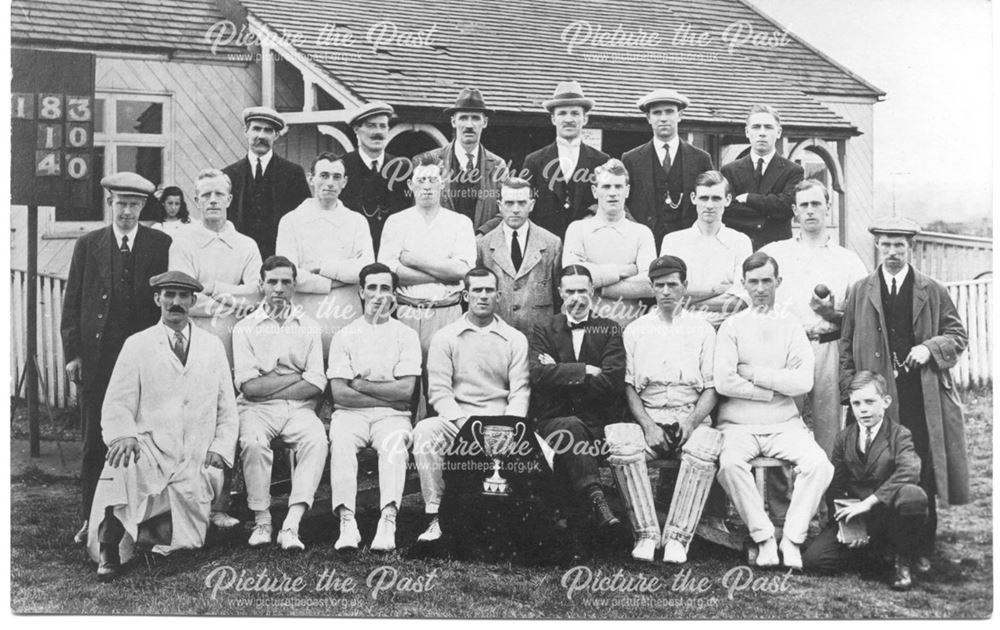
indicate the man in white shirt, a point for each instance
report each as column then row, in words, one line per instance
column 477, row 366
column 813, row 264
column 612, row 247
column 714, row 253
column 279, row 373
column 430, row 248
column 373, row 368
column 329, row 244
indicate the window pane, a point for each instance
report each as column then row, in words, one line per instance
column 95, row 211
column 99, row 115
column 146, row 161
column 139, row 117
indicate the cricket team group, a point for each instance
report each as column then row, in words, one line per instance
column 649, row 307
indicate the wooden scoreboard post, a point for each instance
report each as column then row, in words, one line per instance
column 52, row 159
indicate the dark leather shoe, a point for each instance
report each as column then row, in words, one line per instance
column 603, row 516
column 110, row 565
column 922, row 564
column 903, row 580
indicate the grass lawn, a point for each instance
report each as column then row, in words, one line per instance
column 51, row 575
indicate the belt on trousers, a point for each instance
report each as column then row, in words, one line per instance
column 825, row 337
column 451, row 300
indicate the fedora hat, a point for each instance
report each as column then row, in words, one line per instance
column 567, row 94
column 469, row 100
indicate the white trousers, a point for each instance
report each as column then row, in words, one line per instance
column 388, row 432
column 793, row 444
column 431, row 439
column 298, row 427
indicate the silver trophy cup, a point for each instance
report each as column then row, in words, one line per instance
column 497, row 442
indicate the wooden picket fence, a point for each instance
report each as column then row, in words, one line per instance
column 973, row 298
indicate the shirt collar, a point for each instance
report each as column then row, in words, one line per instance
column 226, row 235
column 670, row 145
column 496, row 326
column 875, row 430
column 119, row 234
column 568, row 144
column 264, row 160
column 463, row 157
column 767, row 158
column 259, row 315
column 522, row 232
column 900, row 277
column 367, row 160
column 186, row 331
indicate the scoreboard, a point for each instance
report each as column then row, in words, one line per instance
column 52, row 128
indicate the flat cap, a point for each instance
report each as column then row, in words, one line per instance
column 126, row 183
column 371, row 109
column 266, row 114
column 175, row 280
column 662, row 95
column 894, row 225
column 665, row 265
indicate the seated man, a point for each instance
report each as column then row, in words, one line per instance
column 875, row 464
column 373, row 369
column 477, row 366
column 669, row 389
column 763, row 360
column 176, row 458
column 278, row 359
column 577, row 385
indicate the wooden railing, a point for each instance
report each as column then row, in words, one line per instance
column 974, row 301
column 973, row 298
column 952, row 257
column 53, row 386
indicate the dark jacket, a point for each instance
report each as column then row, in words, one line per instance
column 641, row 202
column 767, row 214
column 890, row 463
column 492, row 173
column 565, row 389
column 557, row 202
column 87, row 301
column 394, row 172
column 289, row 188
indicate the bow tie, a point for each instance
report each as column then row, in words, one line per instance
column 577, row 325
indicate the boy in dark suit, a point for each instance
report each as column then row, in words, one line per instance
column 874, row 462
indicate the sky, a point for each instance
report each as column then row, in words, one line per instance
column 933, row 58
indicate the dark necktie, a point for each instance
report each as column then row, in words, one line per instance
column 666, row 159
column 125, row 251
column 258, row 174
column 516, row 256
column 469, row 165
column 578, row 325
column 868, row 440
column 178, row 346
column 760, row 171
column 375, row 167
column 892, row 291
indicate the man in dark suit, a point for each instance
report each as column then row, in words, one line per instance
column 375, row 180
column 663, row 170
column 763, row 183
column 108, row 298
column 876, row 465
column 561, row 173
column 265, row 186
column 471, row 173
column 577, row 364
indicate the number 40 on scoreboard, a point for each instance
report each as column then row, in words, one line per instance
column 65, row 125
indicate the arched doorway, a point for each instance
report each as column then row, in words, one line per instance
column 412, row 139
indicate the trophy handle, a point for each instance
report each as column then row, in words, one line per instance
column 477, row 435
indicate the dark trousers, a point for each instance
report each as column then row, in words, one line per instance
column 911, row 415
column 894, row 527
column 94, row 450
column 576, row 445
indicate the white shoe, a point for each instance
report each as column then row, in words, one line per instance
column 674, row 552
column 261, row 535
column 645, row 549
column 791, row 557
column 433, row 531
column 385, row 535
column 767, row 553
column 350, row 537
column 289, row 539
column 80, row 538
column 223, row 520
